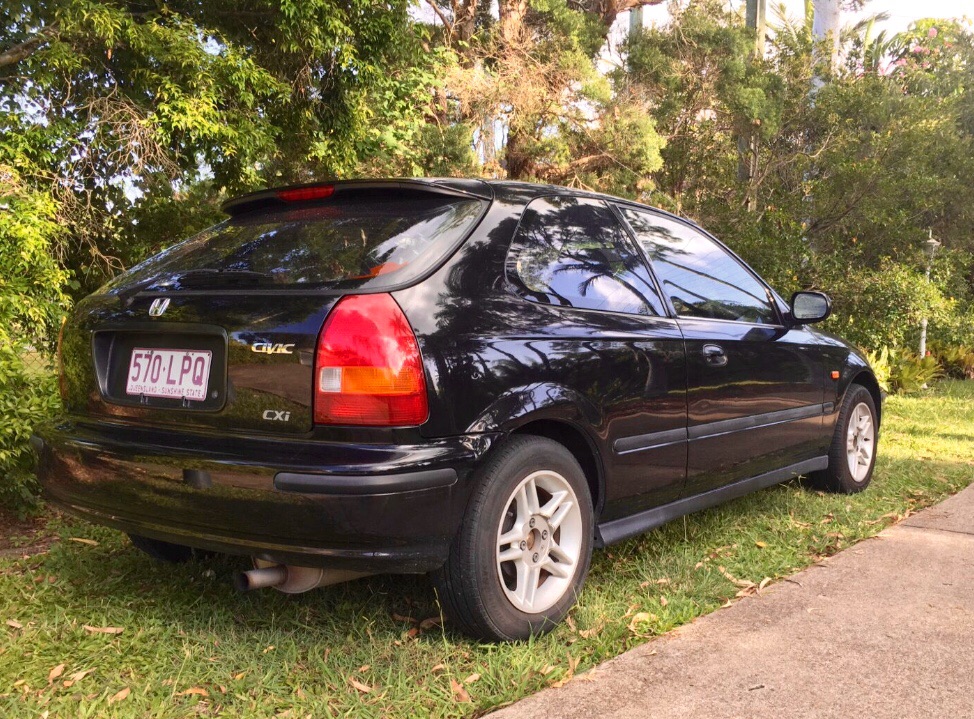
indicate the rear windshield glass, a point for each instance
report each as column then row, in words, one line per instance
column 356, row 240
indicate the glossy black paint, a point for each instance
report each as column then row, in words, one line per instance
column 664, row 414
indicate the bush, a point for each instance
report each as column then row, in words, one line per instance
column 884, row 307
column 911, row 373
column 956, row 361
column 32, row 303
column 28, row 396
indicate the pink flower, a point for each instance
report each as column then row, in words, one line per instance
column 932, row 32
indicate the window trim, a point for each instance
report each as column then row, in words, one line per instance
column 768, row 291
column 513, row 289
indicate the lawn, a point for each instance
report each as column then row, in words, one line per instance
column 94, row 628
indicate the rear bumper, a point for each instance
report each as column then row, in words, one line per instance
column 370, row 508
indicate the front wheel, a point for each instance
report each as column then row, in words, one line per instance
column 524, row 548
column 852, row 454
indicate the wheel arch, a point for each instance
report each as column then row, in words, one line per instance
column 866, row 379
column 581, row 447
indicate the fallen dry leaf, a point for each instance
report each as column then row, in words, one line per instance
column 78, row 676
column 471, row 679
column 429, row 622
column 239, row 675
column 663, row 601
column 82, row 540
column 103, row 630
column 591, row 631
column 743, row 583
column 199, row 691
column 640, row 618
column 761, row 545
column 402, row 618
column 364, row 688
column 55, row 673
column 119, row 695
column 459, row 693
column 764, row 582
column 438, row 668
column 14, row 624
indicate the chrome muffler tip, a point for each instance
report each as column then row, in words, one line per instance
column 260, row 577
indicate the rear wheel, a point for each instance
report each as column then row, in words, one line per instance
column 852, row 454
column 163, row 551
column 524, row 548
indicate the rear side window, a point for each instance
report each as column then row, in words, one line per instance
column 701, row 278
column 354, row 240
column 572, row 252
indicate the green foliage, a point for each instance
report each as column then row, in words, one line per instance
column 911, row 373
column 884, row 307
column 27, row 398
column 882, row 368
column 956, row 361
column 32, row 303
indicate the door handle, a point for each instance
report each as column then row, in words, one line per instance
column 714, row 355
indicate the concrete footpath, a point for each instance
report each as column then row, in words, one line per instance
column 883, row 629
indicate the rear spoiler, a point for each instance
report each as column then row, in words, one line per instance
column 319, row 191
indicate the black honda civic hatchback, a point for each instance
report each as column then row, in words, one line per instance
column 482, row 380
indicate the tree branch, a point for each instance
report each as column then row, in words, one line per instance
column 28, row 47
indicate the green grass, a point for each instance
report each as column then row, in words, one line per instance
column 265, row 654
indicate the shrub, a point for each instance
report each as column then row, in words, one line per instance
column 32, row 303
column 956, row 361
column 27, row 396
column 883, row 308
column 911, row 373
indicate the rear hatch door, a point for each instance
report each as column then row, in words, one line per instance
column 220, row 331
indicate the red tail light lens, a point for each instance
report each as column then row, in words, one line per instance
column 368, row 369
column 304, row 194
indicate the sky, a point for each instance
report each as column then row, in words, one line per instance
column 901, row 12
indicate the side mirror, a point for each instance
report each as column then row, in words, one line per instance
column 809, row 307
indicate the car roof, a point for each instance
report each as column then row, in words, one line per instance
column 488, row 189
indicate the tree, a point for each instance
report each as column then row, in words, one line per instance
column 135, row 96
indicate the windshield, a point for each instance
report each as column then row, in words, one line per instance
column 359, row 240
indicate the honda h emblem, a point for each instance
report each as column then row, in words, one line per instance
column 158, row 306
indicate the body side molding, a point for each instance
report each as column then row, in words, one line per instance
column 620, row 529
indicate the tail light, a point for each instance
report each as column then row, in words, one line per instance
column 368, row 369
column 304, row 194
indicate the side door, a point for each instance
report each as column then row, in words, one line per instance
column 755, row 388
column 596, row 321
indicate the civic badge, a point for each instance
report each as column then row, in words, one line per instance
column 158, row 306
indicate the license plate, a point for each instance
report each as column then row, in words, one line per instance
column 158, row 372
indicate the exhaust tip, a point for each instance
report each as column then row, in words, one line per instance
column 240, row 582
column 260, row 578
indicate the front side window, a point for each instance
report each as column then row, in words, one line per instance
column 700, row 277
column 572, row 252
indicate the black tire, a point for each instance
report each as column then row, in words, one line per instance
column 838, row 477
column 162, row 551
column 473, row 588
